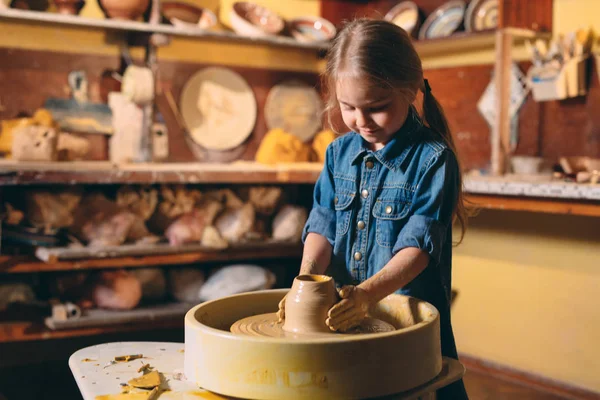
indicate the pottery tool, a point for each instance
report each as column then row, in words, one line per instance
column 78, row 114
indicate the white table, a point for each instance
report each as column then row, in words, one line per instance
column 95, row 375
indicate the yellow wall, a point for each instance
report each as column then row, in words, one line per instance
column 528, row 294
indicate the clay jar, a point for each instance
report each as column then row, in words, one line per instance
column 307, row 304
column 124, row 9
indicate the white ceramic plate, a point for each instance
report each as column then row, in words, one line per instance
column 219, row 108
column 481, row 15
column 294, row 107
column 443, row 21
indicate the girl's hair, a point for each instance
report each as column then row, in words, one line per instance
column 383, row 53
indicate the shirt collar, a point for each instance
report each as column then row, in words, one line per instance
column 393, row 154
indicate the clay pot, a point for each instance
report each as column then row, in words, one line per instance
column 307, row 304
column 69, row 7
column 124, row 9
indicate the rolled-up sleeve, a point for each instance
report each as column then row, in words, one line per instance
column 321, row 219
column 432, row 207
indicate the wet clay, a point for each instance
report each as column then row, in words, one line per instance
column 266, row 325
column 307, row 304
column 306, row 307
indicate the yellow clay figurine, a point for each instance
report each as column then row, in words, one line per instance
column 279, row 146
column 320, row 143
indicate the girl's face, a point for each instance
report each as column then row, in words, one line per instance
column 373, row 112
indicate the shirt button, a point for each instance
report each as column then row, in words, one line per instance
column 388, row 210
column 357, row 256
column 335, row 200
column 360, row 225
column 369, row 164
column 364, row 193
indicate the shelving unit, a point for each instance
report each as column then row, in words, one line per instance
column 502, row 193
column 485, row 193
column 146, row 28
column 458, row 42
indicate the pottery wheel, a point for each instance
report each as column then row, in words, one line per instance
column 266, row 325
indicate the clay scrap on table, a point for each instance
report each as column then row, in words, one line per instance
column 147, row 381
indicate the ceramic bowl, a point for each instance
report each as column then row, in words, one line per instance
column 526, row 165
column 312, row 29
column 249, row 19
column 183, row 15
column 405, row 15
column 124, row 9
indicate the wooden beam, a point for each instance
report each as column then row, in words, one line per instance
column 550, row 206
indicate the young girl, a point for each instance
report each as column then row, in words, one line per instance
column 389, row 191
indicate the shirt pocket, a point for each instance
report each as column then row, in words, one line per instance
column 343, row 211
column 389, row 215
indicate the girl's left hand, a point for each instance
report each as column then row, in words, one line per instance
column 350, row 311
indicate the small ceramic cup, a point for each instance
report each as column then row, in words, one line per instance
column 307, row 304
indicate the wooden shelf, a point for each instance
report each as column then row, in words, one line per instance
column 456, row 43
column 101, row 172
column 23, row 331
column 26, row 264
column 143, row 27
column 532, row 204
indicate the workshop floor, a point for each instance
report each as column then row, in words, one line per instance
column 50, row 381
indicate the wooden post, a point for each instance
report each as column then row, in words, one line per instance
column 501, row 129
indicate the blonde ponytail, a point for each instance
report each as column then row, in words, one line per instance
column 434, row 117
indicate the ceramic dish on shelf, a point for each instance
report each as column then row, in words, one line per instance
column 294, row 107
column 183, row 15
column 249, row 19
column 443, row 21
column 218, row 108
column 312, row 29
column 481, row 15
column 405, row 15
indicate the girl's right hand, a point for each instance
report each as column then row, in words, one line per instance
column 281, row 310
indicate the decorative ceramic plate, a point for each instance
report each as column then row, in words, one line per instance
column 218, row 108
column 481, row 15
column 312, row 29
column 443, row 21
column 294, row 107
column 405, row 15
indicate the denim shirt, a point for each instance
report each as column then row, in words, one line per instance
column 372, row 204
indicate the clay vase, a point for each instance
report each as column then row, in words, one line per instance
column 124, row 9
column 307, row 304
column 69, row 7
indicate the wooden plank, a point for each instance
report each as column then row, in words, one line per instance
column 29, row 331
column 24, row 173
column 21, row 264
column 501, row 128
column 550, row 206
column 527, row 379
column 53, row 254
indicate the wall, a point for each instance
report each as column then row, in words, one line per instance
column 528, row 283
column 528, row 294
